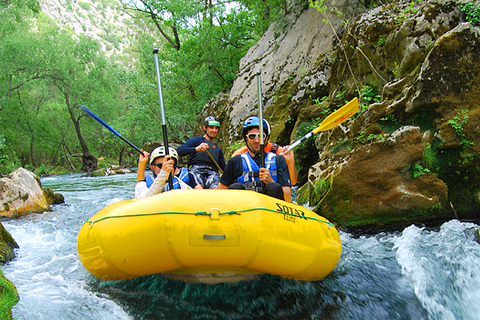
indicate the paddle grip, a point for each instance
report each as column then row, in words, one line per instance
column 296, row 143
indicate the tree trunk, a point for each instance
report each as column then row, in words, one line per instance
column 66, row 151
column 30, row 154
column 120, row 158
column 89, row 161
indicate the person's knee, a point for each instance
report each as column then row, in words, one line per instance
column 275, row 190
column 237, row 186
column 212, row 180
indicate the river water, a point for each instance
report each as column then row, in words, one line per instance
column 415, row 273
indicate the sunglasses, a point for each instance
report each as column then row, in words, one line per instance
column 253, row 136
column 159, row 165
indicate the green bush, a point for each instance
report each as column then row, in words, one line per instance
column 472, row 12
column 8, row 297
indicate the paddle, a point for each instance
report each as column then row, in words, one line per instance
column 90, row 113
column 260, row 115
column 162, row 112
column 215, row 162
column 329, row 122
column 260, row 122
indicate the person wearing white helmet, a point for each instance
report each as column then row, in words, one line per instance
column 205, row 158
column 162, row 165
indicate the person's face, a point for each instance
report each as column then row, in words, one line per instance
column 156, row 166
column 211, row 131
column 253, row 140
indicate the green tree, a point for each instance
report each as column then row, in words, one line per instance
column 268, row 11
column 47, row 75
column 14, row 46
column 82, row 76
column 201, row 45
column 169, row 17
column 14, row 12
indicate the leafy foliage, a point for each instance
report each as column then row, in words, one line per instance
column 458, row 125
column 472, row 12
column 13, row 12
column 417, row 170
column 47, row 73
column 368, row 95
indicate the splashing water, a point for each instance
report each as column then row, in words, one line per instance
column 444, row 267
column 417, row 274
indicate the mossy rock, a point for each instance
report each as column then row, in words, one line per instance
column 8, row 297
column 7, row 244
column 303, row 194
column 98, row 173
column 53, row 197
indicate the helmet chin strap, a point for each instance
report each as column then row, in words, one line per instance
column 209, row 135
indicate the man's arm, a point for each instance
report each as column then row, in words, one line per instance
column 287, row 193
column 228, row 176
column 142, row 191
column 189, row 146
column 290, row 163
column 283, row 177
column 222, row 162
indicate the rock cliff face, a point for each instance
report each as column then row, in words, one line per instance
column 412, row 151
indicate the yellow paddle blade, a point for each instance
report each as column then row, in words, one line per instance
column 338, row 116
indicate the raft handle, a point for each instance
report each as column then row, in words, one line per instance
column 214, row 236
column 215, row 214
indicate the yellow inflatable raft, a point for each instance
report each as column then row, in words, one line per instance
column 208, row 236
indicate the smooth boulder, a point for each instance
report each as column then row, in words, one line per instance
column 21, row 193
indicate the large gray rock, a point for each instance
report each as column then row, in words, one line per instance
column 288, row 56
column 21, row 193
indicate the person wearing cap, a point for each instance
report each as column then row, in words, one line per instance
column 205, row 158
column 245, row 171
column 275, row 148
column 162, row 165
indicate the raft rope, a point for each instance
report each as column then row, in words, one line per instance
column 204, row 213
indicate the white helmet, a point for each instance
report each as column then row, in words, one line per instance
column 160, row 152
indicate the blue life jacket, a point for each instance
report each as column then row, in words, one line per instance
column 148, row 180
column 176, row 185
column 250, row 178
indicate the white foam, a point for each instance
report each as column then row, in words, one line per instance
column 444, row 269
